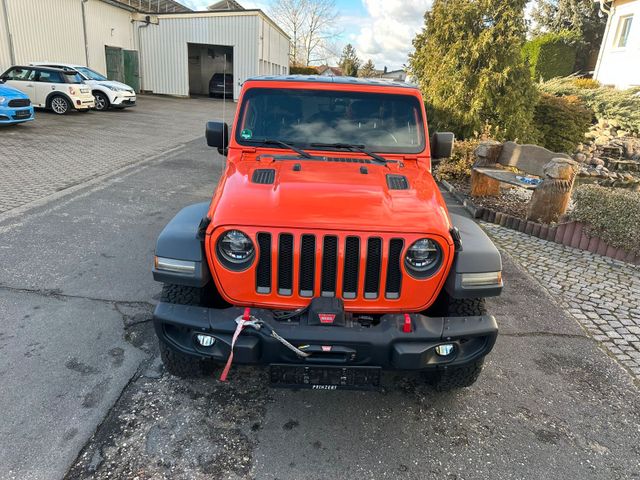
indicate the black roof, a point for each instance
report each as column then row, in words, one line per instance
column 43, row 67
column 339, row 80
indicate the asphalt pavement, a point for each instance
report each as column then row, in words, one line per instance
column 84, row 394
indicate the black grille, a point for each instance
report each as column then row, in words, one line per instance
column 329, row 265
column 263, row 270
column 394, row 273
column 372, row 271
column 347, row 160
column 285, row 264
column 19, row 102
column 351, row 268
column 307, row 265
column 263, row 175
column 397, row 182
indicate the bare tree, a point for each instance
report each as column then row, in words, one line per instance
column 311, row 26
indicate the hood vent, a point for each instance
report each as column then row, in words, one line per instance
column 265, row 176
column 397, row 182
column 347, row 160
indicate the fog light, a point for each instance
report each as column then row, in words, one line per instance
column 205, row 340
column 445, row 349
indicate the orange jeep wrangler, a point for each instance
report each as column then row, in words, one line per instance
column 327, row 251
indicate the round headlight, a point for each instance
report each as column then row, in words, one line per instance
column 423, row 258
column 236, row 250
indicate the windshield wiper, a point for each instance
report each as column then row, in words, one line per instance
column 271, row 141
column 353, row 147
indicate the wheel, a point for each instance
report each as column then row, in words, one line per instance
column 447, row 378
column 180, row 364
column 102, row 101
column 60, row 105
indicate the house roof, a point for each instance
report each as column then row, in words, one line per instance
column 225, row 5
column 337, row 71
column 151, row 6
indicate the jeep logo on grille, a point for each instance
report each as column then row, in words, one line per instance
column 327, row 317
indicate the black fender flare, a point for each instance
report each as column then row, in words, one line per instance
column 475, row 253
column 182, row 239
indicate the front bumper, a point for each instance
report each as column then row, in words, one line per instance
column 122, row 101
column 10, row 115
column 384, row 345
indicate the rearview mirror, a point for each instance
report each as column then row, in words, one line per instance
column 442, row 145
column 217, row 134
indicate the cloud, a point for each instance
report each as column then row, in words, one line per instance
column 386, row 33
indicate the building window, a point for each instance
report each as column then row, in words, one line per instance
column 624, row 27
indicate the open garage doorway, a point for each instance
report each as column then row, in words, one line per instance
column 210, row 70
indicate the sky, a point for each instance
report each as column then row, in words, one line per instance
column 380, row 30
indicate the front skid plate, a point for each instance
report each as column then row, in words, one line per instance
column 323, row 377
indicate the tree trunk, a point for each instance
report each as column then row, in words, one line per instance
column 487, row 154
column 551, row 198
column 483, row 186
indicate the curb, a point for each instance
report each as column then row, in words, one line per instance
column 570, row 234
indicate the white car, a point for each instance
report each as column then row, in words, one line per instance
column 108, row 93
column 52, row 88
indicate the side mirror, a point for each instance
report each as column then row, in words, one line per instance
column 442, row 145
column 217, row 134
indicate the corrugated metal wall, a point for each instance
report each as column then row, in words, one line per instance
column 52, row 30
column 5, row 52
column 164, row 52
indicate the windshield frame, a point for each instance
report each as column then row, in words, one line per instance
column 420, row 125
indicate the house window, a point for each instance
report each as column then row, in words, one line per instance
column 624, row 27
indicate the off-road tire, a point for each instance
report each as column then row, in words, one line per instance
column 180, row 364
column 451, row 378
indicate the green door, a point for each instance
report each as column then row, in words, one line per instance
column 115, row 63
column 132, row 69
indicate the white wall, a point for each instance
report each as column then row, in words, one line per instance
column 52, row 30
column 620, row 66
column 164, row 52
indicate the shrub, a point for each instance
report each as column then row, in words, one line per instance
column 303, row 70
column 621, row 107
column 459, row 165
column 561, row 122
column 551, row 55
column 613, row 214
column 586, row 83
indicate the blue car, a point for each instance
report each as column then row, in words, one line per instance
column 15, row 106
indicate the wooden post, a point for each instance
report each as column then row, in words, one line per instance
column 487, row 154
column 551, row 198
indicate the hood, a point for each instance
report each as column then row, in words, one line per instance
column 10, row 92
column 112, row 83
column 331, row 195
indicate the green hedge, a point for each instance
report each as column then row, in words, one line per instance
column 561, row 122
column 613, row 214
column 459, row 165
column 303, row 70
column 550, row 55
column 621, row 107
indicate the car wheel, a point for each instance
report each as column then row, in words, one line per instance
column 102, row 101
column 60, row 105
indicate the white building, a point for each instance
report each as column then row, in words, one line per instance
column 619, row 58
column 158, row 46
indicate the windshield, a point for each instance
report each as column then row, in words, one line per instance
column 380, row 122
column 71, row 77
column 91, row 74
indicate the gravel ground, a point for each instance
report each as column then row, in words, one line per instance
column 512, row 201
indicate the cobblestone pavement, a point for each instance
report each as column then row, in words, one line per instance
column 601, row 293
column 55, row 152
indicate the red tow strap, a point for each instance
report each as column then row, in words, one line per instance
column 245, row 318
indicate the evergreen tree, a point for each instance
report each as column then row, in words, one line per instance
column 582, row 17
column 368, row 70
column 468, row 63
column 349, row 61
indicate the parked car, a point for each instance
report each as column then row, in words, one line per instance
column 327, row 251
column 15, row 106
column 52, row 88
column 107, row 93
column 221, row 84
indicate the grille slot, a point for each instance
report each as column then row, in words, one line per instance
column 285, row 264
column 264, row 176
column 263, row 270
column 351, row 268
column 373, row 266
column 307, row 265
column 394, row 273
column 397, row 182
column 329, row 265
column 347, row 160
column 19, row 102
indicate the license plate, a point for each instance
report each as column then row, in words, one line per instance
column 317, row 377
column 23, row 114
